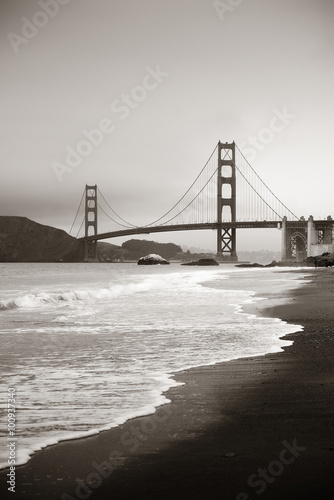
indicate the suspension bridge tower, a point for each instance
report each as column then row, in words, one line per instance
column 91, row 223
column 226, row 202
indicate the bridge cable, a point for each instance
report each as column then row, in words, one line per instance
column 265, row 185
column 258, row 194
column 169, row 211
column 196, row 197
column 76, row 215
column 126, row 222
column 122, row 225
column 83, row 220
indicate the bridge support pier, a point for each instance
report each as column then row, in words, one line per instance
column 284, row 246
column 226, row 202
column 91, row 223
column 312, row 236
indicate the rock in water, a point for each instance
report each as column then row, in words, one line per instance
column 202, row 262
column 152, row 259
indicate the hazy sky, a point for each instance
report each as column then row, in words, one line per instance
column 197, row 71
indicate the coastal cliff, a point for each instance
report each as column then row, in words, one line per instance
column 23, row 240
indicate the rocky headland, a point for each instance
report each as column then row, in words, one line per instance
column 23, row 240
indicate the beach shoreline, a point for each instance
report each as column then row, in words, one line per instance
column 227, row 422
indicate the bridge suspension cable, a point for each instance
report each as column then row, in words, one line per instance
column 82, row 223
column 265, row 194
column 194, row 190
column 76, row 215
column 128, row 224
column 122, row 225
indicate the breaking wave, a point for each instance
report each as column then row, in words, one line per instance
column 147, row 284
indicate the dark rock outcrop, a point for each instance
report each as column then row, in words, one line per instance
column 274, row 263
column 152, row 259
column 202, row 262
column 324, row 260
column 255, row 264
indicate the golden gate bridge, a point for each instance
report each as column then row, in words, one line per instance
column 226, row 195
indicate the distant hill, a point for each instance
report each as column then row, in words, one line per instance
column 134, row 249
column 23, row 240
column 107, row 252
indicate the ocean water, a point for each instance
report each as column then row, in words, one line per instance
column 88, row 346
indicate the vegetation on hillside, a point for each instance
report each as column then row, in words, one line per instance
column 139, row 248
column 134, row 249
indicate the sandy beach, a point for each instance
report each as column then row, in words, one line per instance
column 254, row 427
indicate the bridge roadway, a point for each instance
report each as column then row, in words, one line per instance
column 296, row 224
column 188, row 227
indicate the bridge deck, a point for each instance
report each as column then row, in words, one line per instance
column 297, row 224
column 184, row 227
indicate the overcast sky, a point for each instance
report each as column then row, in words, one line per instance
column 196, row 71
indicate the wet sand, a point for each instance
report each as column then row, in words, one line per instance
column 254, row 427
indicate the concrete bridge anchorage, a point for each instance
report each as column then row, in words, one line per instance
column 306, row 238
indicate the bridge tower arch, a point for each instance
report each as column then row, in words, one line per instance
column 90, row 223
column 226, row 202
column 294, row 240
